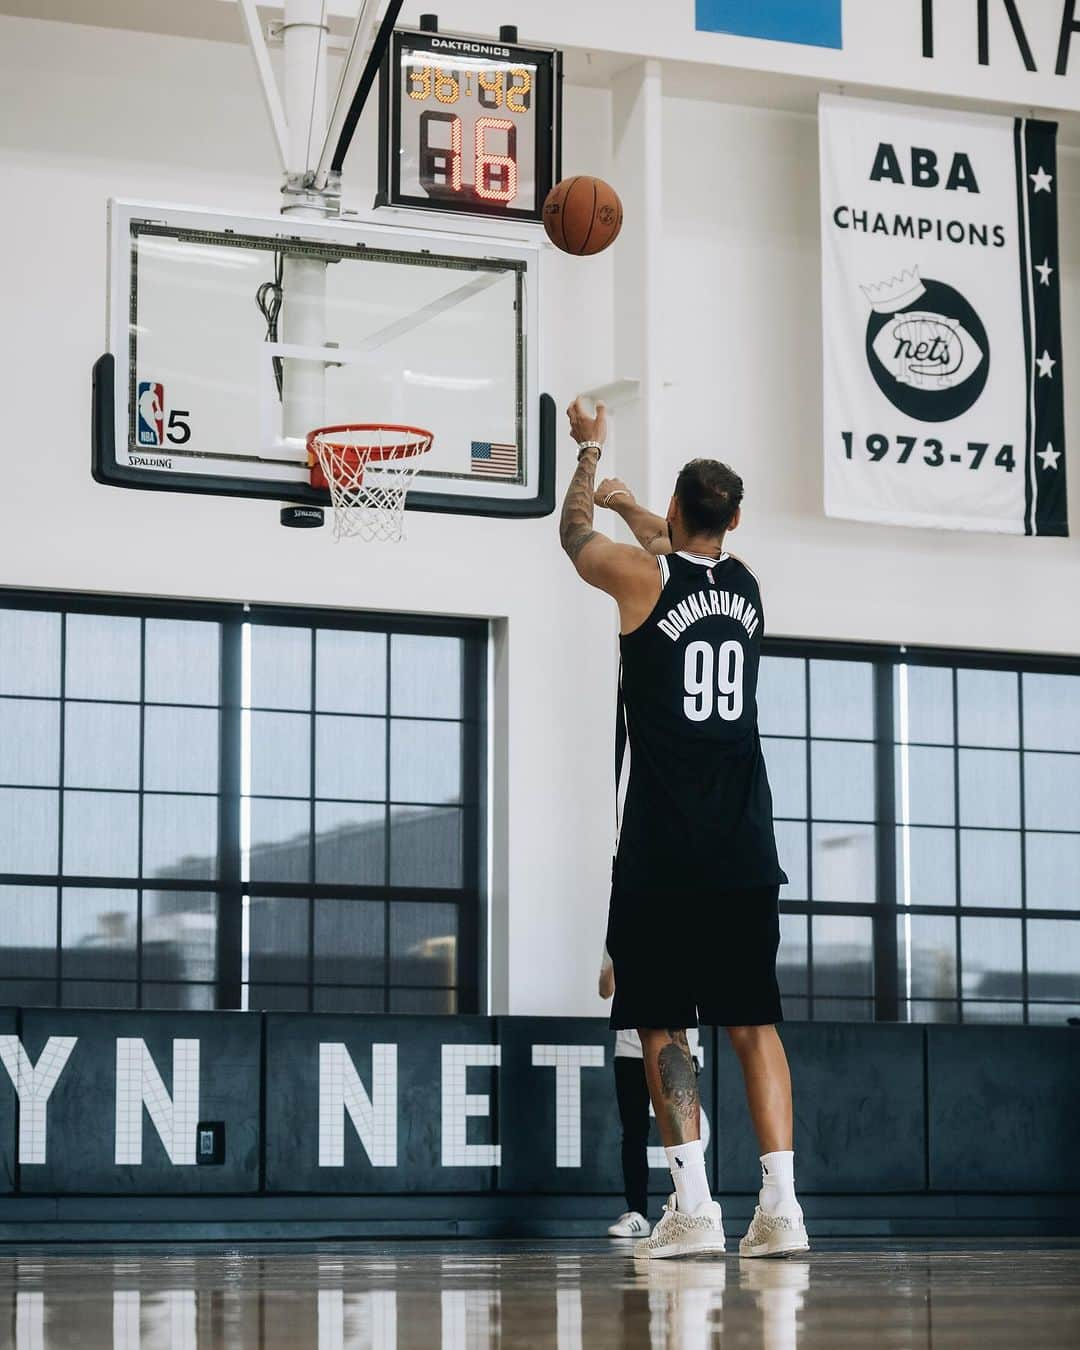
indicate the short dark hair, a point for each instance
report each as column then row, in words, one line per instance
column 709, row 495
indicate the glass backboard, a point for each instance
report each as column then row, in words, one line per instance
column 231, row 338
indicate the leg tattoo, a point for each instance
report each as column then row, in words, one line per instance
column 678, row 1087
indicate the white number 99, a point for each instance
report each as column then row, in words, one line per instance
column 713, row 681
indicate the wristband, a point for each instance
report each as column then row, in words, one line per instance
column 590, row 445
column 619, row 492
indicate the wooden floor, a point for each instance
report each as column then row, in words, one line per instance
column 572, row 1295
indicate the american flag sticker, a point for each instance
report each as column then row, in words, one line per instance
column 492, row 460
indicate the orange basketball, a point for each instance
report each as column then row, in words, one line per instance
column 582, row 215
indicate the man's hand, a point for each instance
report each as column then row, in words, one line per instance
column 614, row 494
column 586, row 428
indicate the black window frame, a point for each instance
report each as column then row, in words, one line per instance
column 887, row 997
column 470, row 899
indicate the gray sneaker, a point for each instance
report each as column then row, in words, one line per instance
column 774, row 1235
column 679, row 1234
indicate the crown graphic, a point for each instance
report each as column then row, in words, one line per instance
column 886, row 297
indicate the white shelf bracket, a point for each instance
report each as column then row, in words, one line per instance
column 615, row 394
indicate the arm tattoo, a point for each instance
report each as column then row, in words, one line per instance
column 575, row 542
column 576, row 525
column 678, row 1082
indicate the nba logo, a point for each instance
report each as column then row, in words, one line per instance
column 151, row 413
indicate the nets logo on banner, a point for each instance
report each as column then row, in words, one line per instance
column 943, row 396
column 812, row 23
column 927, row 348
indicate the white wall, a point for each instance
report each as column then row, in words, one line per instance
column 742, row 349
column 88, row 113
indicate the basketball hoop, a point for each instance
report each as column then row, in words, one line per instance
column 368, row 468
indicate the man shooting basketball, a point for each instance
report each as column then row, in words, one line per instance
column 696, row 859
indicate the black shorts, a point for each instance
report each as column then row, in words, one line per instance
column 687, row 957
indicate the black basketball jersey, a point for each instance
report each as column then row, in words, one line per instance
column 696, row 805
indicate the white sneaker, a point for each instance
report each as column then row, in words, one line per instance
column 774, row 1235
column 679, row 1234
column 631, row 1224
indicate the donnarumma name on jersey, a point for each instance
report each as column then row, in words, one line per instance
column 703, row 606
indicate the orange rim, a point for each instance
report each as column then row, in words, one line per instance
column 414, row 440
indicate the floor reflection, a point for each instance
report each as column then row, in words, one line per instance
column 571, row 1296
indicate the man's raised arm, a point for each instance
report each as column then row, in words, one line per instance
column 621, row 570
column 651, row 531
column 576, row 523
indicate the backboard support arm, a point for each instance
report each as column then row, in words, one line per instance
column 350, row 75
column 339, row 134
column 271, row 96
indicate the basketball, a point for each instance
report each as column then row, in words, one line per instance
column 582, row 215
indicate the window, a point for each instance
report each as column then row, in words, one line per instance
column 213, row 806
column 360, row 816
column 928, row 820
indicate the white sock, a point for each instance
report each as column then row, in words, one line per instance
column 687, row 1163
column 777, row 1194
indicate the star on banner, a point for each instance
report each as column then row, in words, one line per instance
column 1045, row 271
column 1049, row 456
column 1042, row 180
column 1046, row 364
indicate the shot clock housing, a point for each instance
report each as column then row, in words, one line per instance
column 469, row 125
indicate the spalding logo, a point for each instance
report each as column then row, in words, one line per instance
column 926, row 347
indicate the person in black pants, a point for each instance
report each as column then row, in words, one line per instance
column 632, row 1095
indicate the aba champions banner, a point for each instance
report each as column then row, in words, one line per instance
column 943, row 368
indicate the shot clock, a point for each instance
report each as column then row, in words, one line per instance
column 468, row 125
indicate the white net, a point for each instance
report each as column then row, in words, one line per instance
column 369, row 470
